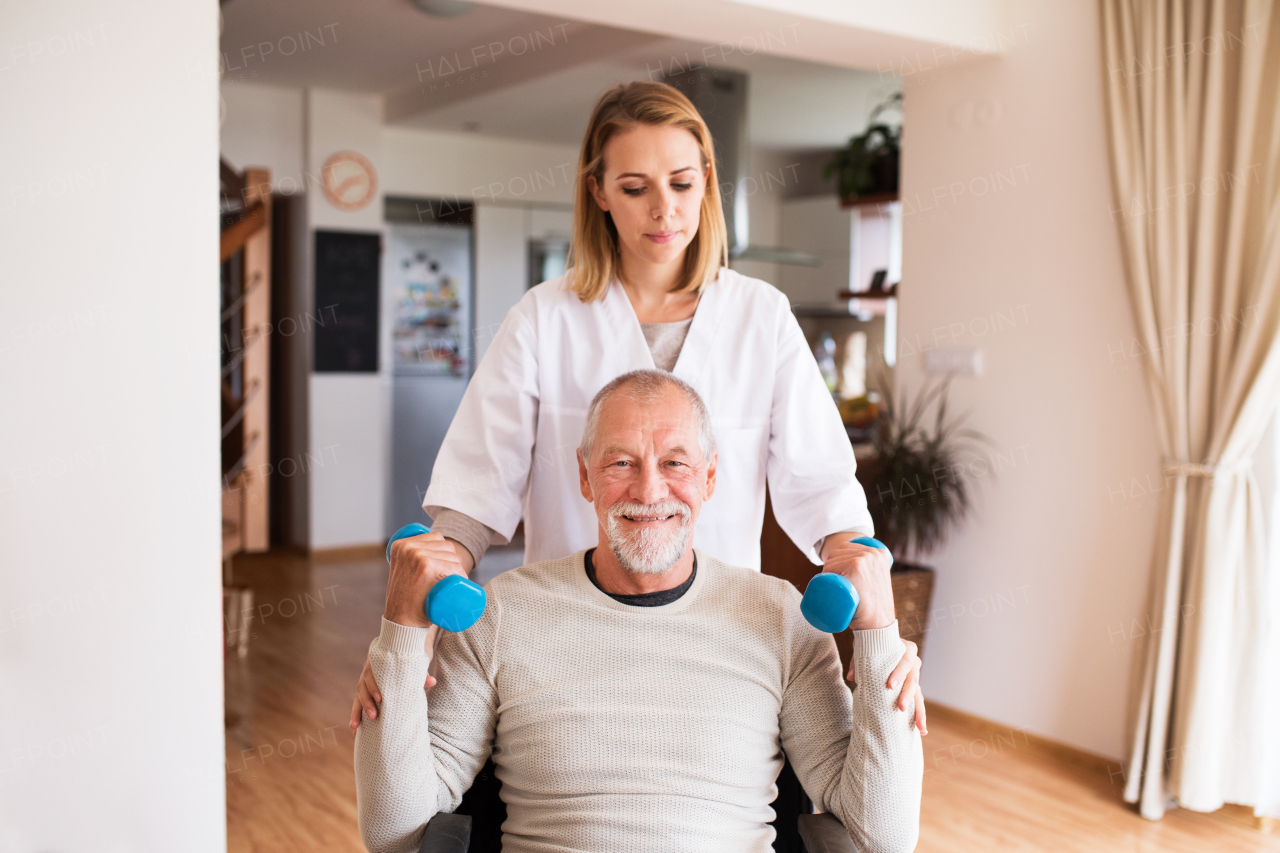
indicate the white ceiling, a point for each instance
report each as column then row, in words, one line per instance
column 385, row 46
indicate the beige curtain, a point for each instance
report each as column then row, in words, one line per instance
column 1193, row 99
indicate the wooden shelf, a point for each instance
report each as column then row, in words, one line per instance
column 863, row 200
column 854, row 309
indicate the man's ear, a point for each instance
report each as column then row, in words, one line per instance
column 593, row 187
column 711, row 476
column 583, row 483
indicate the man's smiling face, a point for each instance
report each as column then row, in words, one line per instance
column 647, row 478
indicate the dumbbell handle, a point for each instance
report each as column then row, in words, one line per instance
column 454, row 603
column 830, row 600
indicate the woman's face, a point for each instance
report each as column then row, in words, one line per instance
column 653, row 185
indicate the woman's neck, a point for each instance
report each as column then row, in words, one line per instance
column 649, row 287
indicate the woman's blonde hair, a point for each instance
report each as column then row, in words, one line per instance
column 594, row 252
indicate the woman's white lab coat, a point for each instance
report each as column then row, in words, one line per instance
column 511, row 447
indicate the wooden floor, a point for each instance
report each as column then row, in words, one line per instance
column 290, row 785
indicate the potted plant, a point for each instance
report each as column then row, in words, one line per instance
column 867, row 167
column 918, row 490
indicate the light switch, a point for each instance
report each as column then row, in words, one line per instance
column 961, row 361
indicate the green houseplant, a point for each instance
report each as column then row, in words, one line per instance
column 922, row 484
column 868, row 164
column 919, row 489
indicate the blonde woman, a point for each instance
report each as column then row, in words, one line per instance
column 648, row 286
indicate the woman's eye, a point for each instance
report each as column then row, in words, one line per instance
column 633, row 190
column 681, row 187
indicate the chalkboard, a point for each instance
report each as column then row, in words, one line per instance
column 346, row 321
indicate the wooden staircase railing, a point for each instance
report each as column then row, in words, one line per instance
column 246, row 324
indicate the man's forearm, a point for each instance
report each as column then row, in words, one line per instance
column 855, row 753
column 409, row 765
column 879, row 792
column 396, row 784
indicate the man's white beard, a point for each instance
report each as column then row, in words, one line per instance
column 649, row 551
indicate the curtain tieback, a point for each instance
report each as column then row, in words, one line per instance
column 1182, row 468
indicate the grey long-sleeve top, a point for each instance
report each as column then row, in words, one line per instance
column 620, row 728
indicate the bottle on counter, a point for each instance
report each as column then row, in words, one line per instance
column 825, row 354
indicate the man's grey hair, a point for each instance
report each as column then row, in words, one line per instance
column 646, row 386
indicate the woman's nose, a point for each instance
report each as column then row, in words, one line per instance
column 664, row 204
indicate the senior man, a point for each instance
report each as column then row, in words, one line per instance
column 638, row 695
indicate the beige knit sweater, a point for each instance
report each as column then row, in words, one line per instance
column 622, row 728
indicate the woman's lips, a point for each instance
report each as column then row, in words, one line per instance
column 662, row 236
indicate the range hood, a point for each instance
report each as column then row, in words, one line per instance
column 721, row 98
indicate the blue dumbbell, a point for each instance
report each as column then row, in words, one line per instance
column 830, row 599
column 454, row 603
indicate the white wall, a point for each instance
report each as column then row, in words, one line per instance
column 820, row 226
column 935, row 20
column 480, row 168
column 263, row 126
column 855, row 35
column 764, row 207
column 1007, row 202
column 111, row 734
column 502, row 264
column 350, row 413
column 503, row 232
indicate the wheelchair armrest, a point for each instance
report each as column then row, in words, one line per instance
column 447, row 833
column 824, row 833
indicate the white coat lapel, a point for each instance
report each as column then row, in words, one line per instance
column 695, row 355
column 623, row 328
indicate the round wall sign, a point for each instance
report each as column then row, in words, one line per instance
column 349, row 181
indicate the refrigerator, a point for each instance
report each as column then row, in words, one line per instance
column 428, row 272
